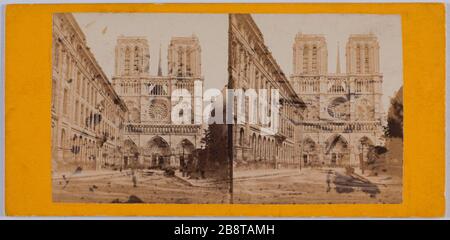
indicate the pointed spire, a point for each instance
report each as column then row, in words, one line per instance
column 338, row 62
column 159, row 63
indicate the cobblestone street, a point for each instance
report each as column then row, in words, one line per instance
column 315, row 186
column 281, row 186
column 152, row 187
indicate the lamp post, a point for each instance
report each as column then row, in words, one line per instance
column 301, row 154
column 97, row 120
column 182, row 145
column 205, row 155
column 361, row 157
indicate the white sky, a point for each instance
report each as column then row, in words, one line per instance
column 279, row 31
column 102, row 30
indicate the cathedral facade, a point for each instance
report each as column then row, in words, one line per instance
column 344, row 114
column 152, row 139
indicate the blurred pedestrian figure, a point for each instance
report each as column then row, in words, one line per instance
column 133, row 178
column 202, row 166
column 190, row 166
column 182, row 166
column 328, row 181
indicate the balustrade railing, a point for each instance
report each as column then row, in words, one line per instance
column 335, row 84
column 159, row 129
column 340, row 126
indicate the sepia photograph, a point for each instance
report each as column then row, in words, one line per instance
column 227, row 108
column 127, row 107
column 332, row 128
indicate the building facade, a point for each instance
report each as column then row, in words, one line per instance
column 343, row 117
column 151, row 137
column 252, row 66
column 87, row 115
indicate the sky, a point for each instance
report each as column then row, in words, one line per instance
column 279, row 31
column 102, row 29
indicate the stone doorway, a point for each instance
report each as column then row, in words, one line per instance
column 157, row 153
column 337, row 151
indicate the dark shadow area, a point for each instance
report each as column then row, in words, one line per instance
column 131, row 199
column 348, row 183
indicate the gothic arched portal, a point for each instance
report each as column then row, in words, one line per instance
column 310, row 156
column 337, row 151
column 157, row 153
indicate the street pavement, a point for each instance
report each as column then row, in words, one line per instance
column 152, row 187
column 266, row 186
column 320, row 186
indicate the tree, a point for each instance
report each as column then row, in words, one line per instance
column 394, row 127
column 215, row 141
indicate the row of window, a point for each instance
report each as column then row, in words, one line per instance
column 183, row 65
column 134, row 57
column 286, row 128
column 77, row 88
column 241, row 61
column 263, row 148
column 81, row 149
column 85, row 116
column 310, row 63
column 362, row 59
column 66, row 70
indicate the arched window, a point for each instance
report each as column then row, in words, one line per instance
column 264, row 148
column 63, row 138
column 83, row 88
column 305, row 58
column 180, row 62
column 78, row 81
column 92, row 95
column 77, row 112
column 241, row 137
column 127, row 61
column 358, row 59
column 65, row 100
column 86, row 119
column 314, row 59
column 73, row 147
column 136, row 59
column 157, row 89
column 91, row 120
column 88, row 92
column 259, row 147
column 81, row 115
column 366, row 59
column 85, row 150
column 254, row 145
column 188, row 63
